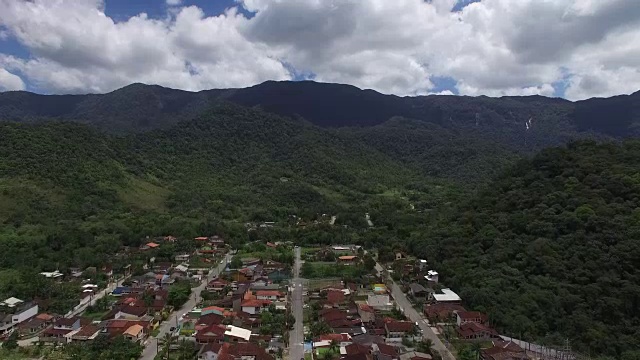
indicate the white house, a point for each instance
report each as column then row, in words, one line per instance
column 237, row 333
column 447, row 296
column 379, row 302
column 432, row 276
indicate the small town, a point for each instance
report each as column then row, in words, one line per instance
column 201, row 299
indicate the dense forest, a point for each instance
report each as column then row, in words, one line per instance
column 550, row 249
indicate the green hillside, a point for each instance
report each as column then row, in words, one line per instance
column 64, row 185
column 551, row 248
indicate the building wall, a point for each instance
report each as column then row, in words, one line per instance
column 249, row 310
column 25, row 315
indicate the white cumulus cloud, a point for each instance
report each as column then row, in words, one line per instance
column 490, row 47
column 9, row 81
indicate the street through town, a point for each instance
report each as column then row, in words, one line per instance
column 296, row 335
column 413, row 315
column 151, row 348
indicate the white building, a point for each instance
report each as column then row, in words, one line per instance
column 52, row 275
column 446, row 296
column 379, row 302
column 238, row 333
column 432, row 276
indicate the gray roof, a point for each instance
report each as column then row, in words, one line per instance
column 415, row 287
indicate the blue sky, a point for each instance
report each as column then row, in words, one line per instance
column 403, row 47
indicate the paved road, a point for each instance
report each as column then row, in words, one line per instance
column 151, row 347
column 413, row 315
column 296, row 336
column 96, row 297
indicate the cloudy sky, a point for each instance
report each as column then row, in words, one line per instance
column 570, row 48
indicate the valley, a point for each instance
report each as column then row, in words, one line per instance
column 526, row 206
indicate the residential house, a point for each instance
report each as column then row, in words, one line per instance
column 85, row 333
column 354, row 350
column 254, row 307
column 268, row 295
column 400, row 255
column 446, row 296
column 47, row 318
column 31, row 326
column 19, row 310
column 213, row 310
column 216, row 285
column 211, row 334
column 57, row 275
column 441, row 312
column 216, row 241
column 135, row 333
column 271, row 265
column 182, row 257
column 335, row 296
column 118, row 327
column 475, row 331
column 432, row 277
column 368, row 339
column 241, row 351
column 340, row 250
column 379, row 302
column 131, row 312
column 422, row 264
column 149, row 246
column 60, row 329
column 398, row 329
column 415, row 355
column 503, row 350
column 366, row 312
column 209, row 351
column 341, row 339
column 237, row 334
column 383, row 351
column 463, row 317
column 347, row 259
column 417, row 290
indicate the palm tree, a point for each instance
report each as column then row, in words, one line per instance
column 186, row 350
column 167, row 341
column 426, row 346
column 333, row 346
column 476, row 347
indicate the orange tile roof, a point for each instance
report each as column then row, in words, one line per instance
column 347, row 257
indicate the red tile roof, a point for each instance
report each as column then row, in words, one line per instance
column 400, row 326
column 87, row 330
column 365, row 308
column 252, row 303
column 472, row 315
column 471, row 329
column 152, row 245
column 336, row 337
column 268, row 293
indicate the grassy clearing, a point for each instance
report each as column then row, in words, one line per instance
column 144, row 195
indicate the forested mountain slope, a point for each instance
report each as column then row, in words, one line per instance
column 551, row 249
column 139, row 107
column 66, row 188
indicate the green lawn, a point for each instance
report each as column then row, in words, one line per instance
column 155, row 332
column 95, row 315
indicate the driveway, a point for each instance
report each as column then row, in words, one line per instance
column 413, row 315
column 151, row 348
column 296, row 336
